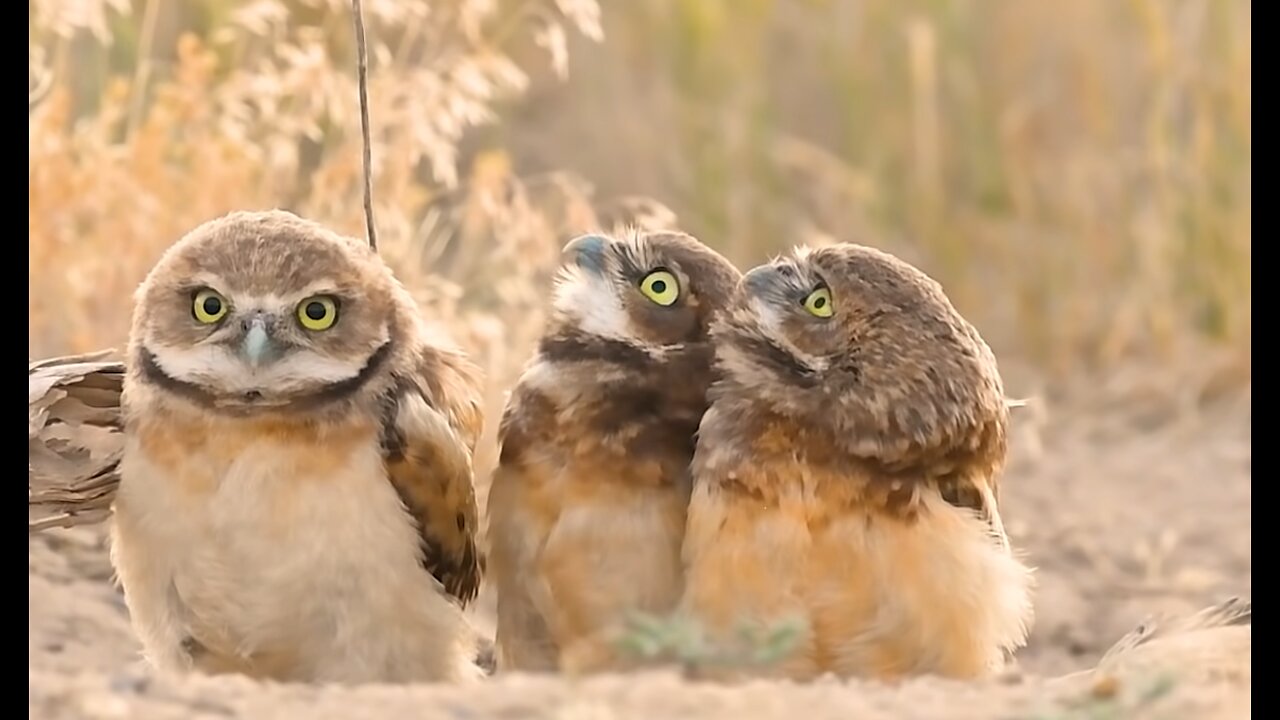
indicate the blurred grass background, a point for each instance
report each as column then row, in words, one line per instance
column 1077, row 175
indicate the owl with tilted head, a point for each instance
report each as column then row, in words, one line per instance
column 587, row 507
column 296, row 498
column 847, row 475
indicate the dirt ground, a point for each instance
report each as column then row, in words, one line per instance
column 1131, row 497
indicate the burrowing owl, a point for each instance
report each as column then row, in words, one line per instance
column 846, row 474
column 587, row 506
column 296, row 497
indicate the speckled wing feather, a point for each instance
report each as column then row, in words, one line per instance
column 1212, row 645
column 967, row 471
column 1233, row 611
column 432, row 422
column 74, row 439
column 981, row 495
column 518, row 526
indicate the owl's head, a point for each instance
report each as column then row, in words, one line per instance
column 266, row 310
column 646, row 289
column 855, row 339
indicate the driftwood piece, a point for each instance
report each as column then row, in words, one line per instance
column 75, row 437
column 1232, row 612
column 1212, row 646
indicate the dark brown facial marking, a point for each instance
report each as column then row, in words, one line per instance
column 785, row 365
column 343, row 389
column 334, row 392
column 153, row 373
column 573, row 346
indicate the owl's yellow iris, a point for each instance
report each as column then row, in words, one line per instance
column 661, row 287
column 318, row 313
column 208, row 307
column 819, row 303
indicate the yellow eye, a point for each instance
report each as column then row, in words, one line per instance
column 819, row 303
column 318, row 313
column 661, row 287
column 208, row 306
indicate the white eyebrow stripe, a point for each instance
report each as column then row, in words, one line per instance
column 269, row 300
column 319, row 287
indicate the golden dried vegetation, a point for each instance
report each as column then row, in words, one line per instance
column 1078, row 175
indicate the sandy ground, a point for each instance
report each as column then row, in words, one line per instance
column 1128, row 497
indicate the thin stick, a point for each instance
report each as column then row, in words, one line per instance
column 142, row 73
column 362, row 78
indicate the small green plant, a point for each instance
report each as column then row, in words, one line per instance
column 681, row 640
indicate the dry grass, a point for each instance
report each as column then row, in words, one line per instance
column 1078, row 175
column 158, row 116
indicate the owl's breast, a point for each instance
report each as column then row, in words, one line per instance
column 227, row 473
column 271, row 534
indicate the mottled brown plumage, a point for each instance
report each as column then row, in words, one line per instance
column 75, row 436
column 847, row 473
column 296, row 497
column 586, row 510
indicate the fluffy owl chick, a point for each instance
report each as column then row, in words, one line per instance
column 296, row 498
column 846, row 474
column 587, row 506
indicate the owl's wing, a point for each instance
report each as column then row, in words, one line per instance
column 517, row 530
column 430, row 428
column 966, row 469
column 979, row 493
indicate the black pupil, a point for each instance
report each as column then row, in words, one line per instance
column 659, row 286
column 212, row 306
column 315, row 311
column 819, row 303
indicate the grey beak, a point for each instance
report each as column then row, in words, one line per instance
column 763, row 280
column 257, row 346
column 587, row 251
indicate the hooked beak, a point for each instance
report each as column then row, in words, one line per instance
column 587, row 252
column 764, row 280
column 258, row 347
